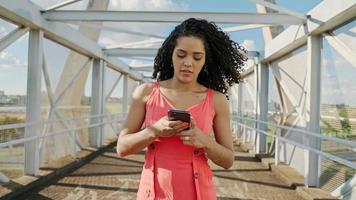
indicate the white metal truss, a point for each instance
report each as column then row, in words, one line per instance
column 342, row 48
column 326, row 16
column 171, row 17
column 115, row 29
column 96, row 134
column 159, row 41
column 62, row 4
column 113, row 87
column 71, row 82
column 131, row 44
column 245, row 27
column 280, row 9
column 54, row 110
column 130, row 52
column 312, row 111
column 298, row 104
column 58, row 32
column 145, row 69
column 33, row 108
column 12, row 37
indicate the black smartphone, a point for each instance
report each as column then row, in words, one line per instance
column 182, row 115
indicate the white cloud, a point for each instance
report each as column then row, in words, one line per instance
column 9, row 60
column 110, row 38
column 3, row 31
column 353, row 29
column 249, row 45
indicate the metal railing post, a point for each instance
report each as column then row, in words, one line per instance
column 33, row 105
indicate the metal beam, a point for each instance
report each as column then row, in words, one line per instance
column 146, row 69
column 344, row 50
column 25, row 13
column 171, row 17
column 71, row 82
column 60, row 5
column 262, row 106
column 120, row 66
column 139, row 43
column 125, row 95
column 33, row 107
column 245, row 27
column 327, row 15
column 12, row 37
column 144, row 42
column 112, row 88
column 96, row 134
column 129, row 52
column 115, row 29
column 280, row 9
column 312, row 162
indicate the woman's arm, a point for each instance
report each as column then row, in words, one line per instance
column 131, row 140
column 129, row 143
column 220, row 150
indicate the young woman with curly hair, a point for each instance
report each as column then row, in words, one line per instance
column 194, row 68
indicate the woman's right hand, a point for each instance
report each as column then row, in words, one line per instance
column 165, row 128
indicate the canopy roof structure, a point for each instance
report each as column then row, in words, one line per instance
column 85, row 58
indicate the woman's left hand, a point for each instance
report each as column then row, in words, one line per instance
column 195, row 137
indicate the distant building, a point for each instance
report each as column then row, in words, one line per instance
column 3, row 98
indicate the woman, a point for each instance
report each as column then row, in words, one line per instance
column 195, row 66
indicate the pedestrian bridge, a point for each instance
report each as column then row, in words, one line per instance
column 293, row 116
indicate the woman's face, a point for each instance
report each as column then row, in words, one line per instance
column 188, row 58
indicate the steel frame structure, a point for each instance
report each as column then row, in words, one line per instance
column 305, row 29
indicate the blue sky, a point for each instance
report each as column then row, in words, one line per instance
column 13, row 60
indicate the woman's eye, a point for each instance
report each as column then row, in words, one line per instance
column 180, row 55
column 195, row 58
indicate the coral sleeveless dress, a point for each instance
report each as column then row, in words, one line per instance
column 173, row 170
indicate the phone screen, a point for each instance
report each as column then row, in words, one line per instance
column 182, row 115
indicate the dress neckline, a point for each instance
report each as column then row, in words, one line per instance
column 186, row 109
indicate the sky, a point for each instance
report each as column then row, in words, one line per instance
column 13, row 60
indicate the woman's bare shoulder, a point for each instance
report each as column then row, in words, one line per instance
column 143, row 91
column 219, row 97
column 220, row 100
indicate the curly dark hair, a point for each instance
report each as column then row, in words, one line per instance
column 224, row 57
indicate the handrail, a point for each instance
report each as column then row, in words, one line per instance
column 321, row 153
column 55, row 133
column 23, row 125
column 340, row 141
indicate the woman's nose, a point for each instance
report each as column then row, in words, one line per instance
column 187, row 63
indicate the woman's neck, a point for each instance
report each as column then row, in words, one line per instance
column 176, row 84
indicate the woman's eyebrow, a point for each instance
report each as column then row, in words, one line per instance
column 197, row 52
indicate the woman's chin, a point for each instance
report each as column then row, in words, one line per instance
column 186, row 79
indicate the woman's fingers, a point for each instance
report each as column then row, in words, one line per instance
column 192, row 123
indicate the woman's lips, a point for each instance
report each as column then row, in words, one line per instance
column 186, row 72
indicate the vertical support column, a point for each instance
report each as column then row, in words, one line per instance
column 312, row 116
column 125, row 96
column 262, row 106
column 254, row 133
column 97, row 104
column 33, row 105
column 239, row 108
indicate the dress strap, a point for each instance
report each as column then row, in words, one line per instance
column 210, row 98
column 156, row 84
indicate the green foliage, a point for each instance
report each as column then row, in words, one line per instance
column 345, row 130
column 330, row 130
column 8, row 134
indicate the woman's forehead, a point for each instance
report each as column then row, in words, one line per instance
column 190, row 44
